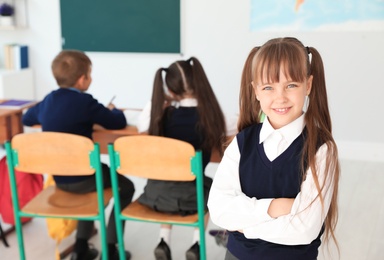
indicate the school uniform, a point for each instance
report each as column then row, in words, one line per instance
column 259, row 165
column 180, row 122
column 69, row 110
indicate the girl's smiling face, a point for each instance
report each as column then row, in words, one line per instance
column 282, row 101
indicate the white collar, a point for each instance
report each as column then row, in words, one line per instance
column 186, row 102
column 289, row 132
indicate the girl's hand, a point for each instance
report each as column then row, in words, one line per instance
column 280, row 207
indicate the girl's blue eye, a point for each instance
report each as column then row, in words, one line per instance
column 267, row 88
column 291, row 86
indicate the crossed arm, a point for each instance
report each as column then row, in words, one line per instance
column 278, row 220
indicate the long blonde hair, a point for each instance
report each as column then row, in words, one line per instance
column 291, row 55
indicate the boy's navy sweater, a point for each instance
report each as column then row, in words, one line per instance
column 71, row 111
column 261, row 178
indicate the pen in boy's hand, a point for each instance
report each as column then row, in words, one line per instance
column 110, row 102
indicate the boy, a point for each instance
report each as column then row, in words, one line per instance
column 70, row 110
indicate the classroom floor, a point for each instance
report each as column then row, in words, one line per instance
column 360, row 230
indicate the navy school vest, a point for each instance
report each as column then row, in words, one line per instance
column 261, row 178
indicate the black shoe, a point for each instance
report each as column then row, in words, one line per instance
column 90, row 254
column 194, row 252
column 221, row 236
column 162, row 251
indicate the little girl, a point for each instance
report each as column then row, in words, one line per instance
column 183, row 107
column 275, row 190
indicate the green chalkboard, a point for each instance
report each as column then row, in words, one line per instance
column 121, row 25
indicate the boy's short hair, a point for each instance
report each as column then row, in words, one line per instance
column 68, row 66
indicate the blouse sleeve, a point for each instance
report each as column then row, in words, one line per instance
column 307, row 215
column 229, row 207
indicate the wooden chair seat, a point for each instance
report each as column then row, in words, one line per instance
column 55, row 202
column 136, row 210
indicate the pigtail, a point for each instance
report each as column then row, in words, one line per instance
column 317, row 116
column 319, row 129
column 157, row 108
column 318, row 106
column 249, row 106
column 211, row 116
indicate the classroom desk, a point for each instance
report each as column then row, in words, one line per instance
column 10, row 123
column 104, row 137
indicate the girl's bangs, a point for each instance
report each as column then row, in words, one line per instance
column 268, row 64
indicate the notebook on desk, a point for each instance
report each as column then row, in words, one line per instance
column 16, row 103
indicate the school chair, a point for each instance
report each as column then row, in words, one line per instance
column 160, row 158
column 57, row 154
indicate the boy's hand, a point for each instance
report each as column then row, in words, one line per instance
column 111, row 106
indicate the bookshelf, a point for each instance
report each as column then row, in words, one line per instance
column 19, row 20
column 17, row 84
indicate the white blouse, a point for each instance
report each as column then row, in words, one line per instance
column 231, row 209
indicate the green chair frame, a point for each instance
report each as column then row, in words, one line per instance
column 57, row 154
column 161, row 158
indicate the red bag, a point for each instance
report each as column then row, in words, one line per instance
column 28, row 186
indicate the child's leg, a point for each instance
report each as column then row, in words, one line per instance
column 84, row 228
column 165, row 233
column 196, row 233
column 126, row 191
column 162, row 251
column 194, row 251
column 84, row 232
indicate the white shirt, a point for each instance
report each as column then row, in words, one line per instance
column 277, row 141
column 231, row 209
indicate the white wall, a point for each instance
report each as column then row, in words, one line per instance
column 217, row 32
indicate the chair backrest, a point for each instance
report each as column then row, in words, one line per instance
column 154, row 157
column 54, row 153
column 158, row 158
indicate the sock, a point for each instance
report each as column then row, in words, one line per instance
column 196, row 236
column 165, row 234
column 81, row 245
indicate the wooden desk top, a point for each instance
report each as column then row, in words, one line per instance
column 104, row 137
column 17, row 108
column 10, row 123
column 7, row 112
column 128, row 130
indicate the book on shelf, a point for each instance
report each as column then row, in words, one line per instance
column 16, row 103
column 16, row 56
